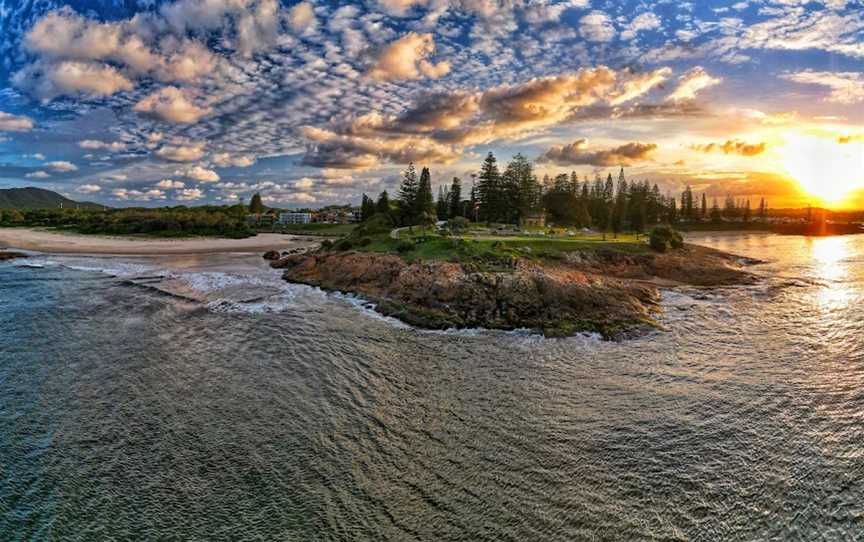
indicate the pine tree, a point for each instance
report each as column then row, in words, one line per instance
column 704, row 206
column 715, row 211
column 442, row 206
column 456, row 198
column 489, row 189
column 382, row 206
column 408, row 192
column 367, row 208
column 256, row 206
column 425, row 201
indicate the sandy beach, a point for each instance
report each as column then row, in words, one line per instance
column 68, row 243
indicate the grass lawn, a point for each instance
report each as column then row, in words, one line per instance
column 495, row 252
column 335, row 230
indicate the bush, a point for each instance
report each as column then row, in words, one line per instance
column 365, row 241
column 344, row 244
column 326, row 244
column 404, row 246
column 457, row 224
column 663, row 238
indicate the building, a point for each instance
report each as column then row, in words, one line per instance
column 295, row 218
column 533, row 221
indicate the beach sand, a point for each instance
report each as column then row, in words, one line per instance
column 68, row 243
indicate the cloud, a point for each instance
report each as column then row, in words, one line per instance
column 691, row 83
column 577, row 153
column 189, row 194
column 224, row 159
column 89, row 188
column 642, row 22
column 437, row 127
column 407, row 58
column 181, row 152
column 137, row 195
column 304, row 184
column 199, row 173
column 846, row 87
column 15, row 123
column 38, row 175
column 733, row 146
column 170, row 184
column 597, row 27
column 302, row 17
column 93, row 144
column 62, row 166
column 173, row 105
column 37, row 156
column 47, row 81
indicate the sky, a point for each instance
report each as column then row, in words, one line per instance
column 189, row 102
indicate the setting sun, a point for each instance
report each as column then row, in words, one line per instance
column 824, row 168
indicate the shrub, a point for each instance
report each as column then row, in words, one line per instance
column 326, row 244
column 344, row 244
column 365, row 241
column 663, row 238
column 404, row 246
column 457, row 224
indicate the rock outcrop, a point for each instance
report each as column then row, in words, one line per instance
column 5, row 255
column 610, row 293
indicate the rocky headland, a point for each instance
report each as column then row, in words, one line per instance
column 612, row 293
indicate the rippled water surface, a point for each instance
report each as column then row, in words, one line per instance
column 175, row 400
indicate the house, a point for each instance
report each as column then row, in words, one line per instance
column 295, row 218
column 537, row 220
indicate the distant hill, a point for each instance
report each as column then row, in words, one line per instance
column 39, row 198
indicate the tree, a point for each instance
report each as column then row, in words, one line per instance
column 456, row 198
column 489, row 189
column 704, row 206
column 367, row 208
column 382, row 206
column 442, row 206
column 408, row 196
column 256, row 206
column 747, row 211
column 425, row 202
column 716, row 216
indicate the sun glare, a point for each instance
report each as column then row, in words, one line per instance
column 824, row 168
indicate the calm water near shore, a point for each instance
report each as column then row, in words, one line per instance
column 204, row 399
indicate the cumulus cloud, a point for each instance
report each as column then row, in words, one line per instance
column 225, row 159
column 96, row 145
column 692, row 83
column 408, row 58
column 181, row 152
column 173, row 105
column 577, row 153
column 15, row 123
column 642, row 22
column 62, row 166
column 199, row 173
column 845, row 87
column 438, row 126
column 89, row 188
column 138, row 195
column 732, row 146
column 37, row 175
column 170, row 184
column 47, row 81
column 189, row 194
column 597, row 27
column 302, row 17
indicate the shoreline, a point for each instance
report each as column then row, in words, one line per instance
column 70, row 243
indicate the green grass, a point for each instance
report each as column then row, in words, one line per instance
column 492, row 252
column 335, row 230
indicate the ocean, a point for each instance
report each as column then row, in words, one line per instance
column 202, row 398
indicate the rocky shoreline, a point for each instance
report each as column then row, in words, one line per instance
column 9, row 255
column 607, row 292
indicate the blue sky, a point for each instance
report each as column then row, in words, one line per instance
column 311, row 103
